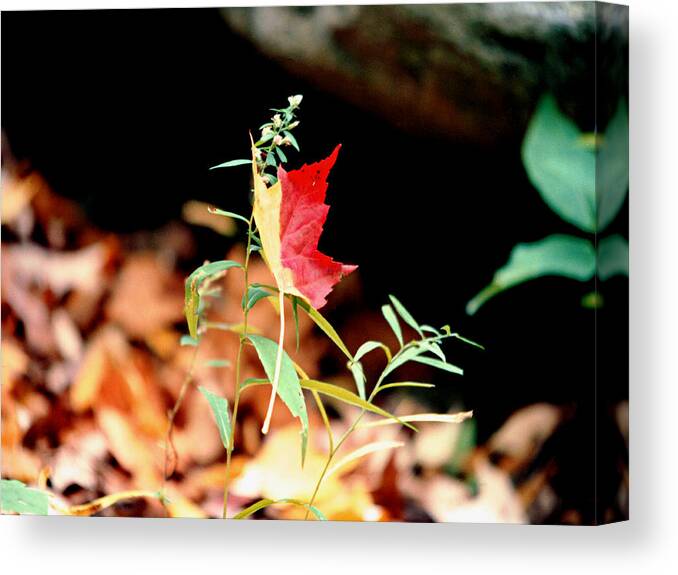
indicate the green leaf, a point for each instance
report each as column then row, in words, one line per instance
column 219, row 407
column 405, row 384
column 612, row 177
column 434, row 348
column 406, row 315
column 559, row 166
column 348, row 397
column 407, row 355
column 226, row 214
column 281, row 155
column 187, row 340
column 613, row 257
column 424, row 417
column 254, row 294
column 359, row 376
column 556, row 255
column 392, row 320
column 289, row 387
column 231, row 164
column 252, row 381
column 192, row 295
column 325, row 326
column 252, row 509
column 369, row 346
column 16, row 497
column 270, row 160
column 292, row 140
column 295, row 313
column 443, row 365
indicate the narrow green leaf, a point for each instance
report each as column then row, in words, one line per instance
column 289, row 387
column 406, row 315
column 392, row 320
column 218, row 212
column 613, row 257
column 347, row 397
column 556, row 255
column 252, row 509
column 424, row 417
column 231, row 164
column 434, row 348
column 254, row 294
column 16, row 497
column 192, row 295
column 219, row 407
column 281, row 155
column 252, row 381
column 559, row 166
column 369, row 346
column 325, row 326
column 359, row 376
column 292, row 140
column 439, row 364
column 402, row 358
column 295, row 313
column 405, row 384
column 270, row 160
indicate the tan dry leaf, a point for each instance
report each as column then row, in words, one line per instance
column 147, row 297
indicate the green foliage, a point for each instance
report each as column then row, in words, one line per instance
column 16, row 497
column 560, row 166
column 232, row 164
column 219, row 407
column 259, row 505
column 613, row 257
column 289, row 387
column 558, row 255
column 584, row 179
column 392, row 321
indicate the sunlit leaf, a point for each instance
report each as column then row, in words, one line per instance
column 219, row 407
column 231, row 164
column 347, row 397
column 392, row 320
column 369, row 346
column 289, row 387
column 325, row 326
column 424, row 417
column 560, row 166
column 359, row 376
column 406, row 315
column 405, row 384
column 556, row 255
column 442, row 365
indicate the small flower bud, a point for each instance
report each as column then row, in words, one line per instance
column 257, row 153
column 277, row 121
column 266, row 131
column 265, row 179
column 278, row 140
column 293, row 125
column 286, row 142
column 295, row 100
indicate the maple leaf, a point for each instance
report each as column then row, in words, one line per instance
column 290, row 216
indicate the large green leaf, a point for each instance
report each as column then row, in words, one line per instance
column 560, row 165
column 15, row 497
column 612, row 176
column 556, row 255
column 289, row 387
column 219, row 407
column 613, row 257
column 348, row 397
column 192, row 294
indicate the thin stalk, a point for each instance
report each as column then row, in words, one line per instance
column 188, row 378
column 238, row 362
column 278, row 363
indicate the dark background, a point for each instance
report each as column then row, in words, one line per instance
column 126, row 111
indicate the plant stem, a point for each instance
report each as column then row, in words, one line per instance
column 238, row 362
column 278, row 363
column 188, row 378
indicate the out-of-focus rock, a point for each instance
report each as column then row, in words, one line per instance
column 462, row 70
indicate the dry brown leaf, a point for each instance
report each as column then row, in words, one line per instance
column 147, row 297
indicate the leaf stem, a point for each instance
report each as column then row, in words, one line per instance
column 278, row 363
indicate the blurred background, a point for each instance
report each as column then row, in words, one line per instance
column 111, row 120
